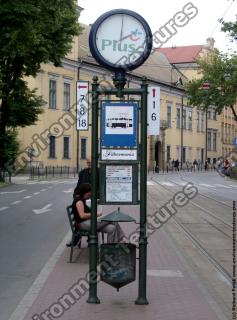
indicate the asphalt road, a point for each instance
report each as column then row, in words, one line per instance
column 33, row 222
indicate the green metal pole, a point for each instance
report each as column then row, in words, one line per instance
column 93, row 238
column 142, row 299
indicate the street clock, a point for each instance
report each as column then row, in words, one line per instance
column 120, row 39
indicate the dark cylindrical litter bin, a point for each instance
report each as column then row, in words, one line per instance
column 118, row 263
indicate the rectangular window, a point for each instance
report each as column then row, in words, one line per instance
column 184, row 119
column 52, row 94
column 214, row 141
column 178, row 118
column 66, row 147
column 214, row 115
column 66, row 94
column 83, row 148
column 52, row 147
column 190, row 119
column 202, row 122
column 198, row 121
column 209, row 114
column 169, row 116
column 209, row 144
column 168, row 149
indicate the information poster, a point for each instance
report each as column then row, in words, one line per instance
column 119, row 183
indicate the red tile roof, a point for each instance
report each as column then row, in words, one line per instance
column 184, row 54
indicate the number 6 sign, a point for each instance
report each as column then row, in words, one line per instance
column 153, row 111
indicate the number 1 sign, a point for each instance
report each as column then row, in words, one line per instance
column 153, row 112
column 82, row 105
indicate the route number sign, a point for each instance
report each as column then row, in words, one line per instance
column 153, row 111
column 82, row 105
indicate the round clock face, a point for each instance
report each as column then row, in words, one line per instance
column 120, row 39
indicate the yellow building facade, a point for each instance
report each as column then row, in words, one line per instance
column 54, row 140
column 208, row 124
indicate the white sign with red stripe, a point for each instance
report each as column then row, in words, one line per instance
column 82, row 105
column 153, row 112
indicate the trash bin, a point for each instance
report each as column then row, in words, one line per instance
column 118, row 264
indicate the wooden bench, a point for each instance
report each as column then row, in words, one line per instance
column 76, row 232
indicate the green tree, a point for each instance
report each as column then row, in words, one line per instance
column 231, row 29
column 31, row 32
column 220, row 71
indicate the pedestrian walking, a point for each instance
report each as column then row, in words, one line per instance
column 176, row 165
column 195, row 164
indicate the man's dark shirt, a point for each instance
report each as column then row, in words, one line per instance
column 85, row 176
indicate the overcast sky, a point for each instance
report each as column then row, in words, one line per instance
column 158, row 13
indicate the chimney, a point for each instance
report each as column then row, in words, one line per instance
column 210, row 43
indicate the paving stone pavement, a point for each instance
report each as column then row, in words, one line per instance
column 172, row 292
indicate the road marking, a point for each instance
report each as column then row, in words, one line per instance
column 43, row 190
column 27, row 197
column 206, row 185
column 222, row 186
column 168, row 184
column 46, row 208
column 20, row 191
column 149, row 183
column 33, row 292
column 3, row 208
column 165, row 273
column 182, row 183
column 16, row 202
column 68, row 191
column 36, row 193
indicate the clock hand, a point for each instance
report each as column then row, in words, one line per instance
column 121, row 31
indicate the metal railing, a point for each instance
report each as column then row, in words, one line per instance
column 52, row 172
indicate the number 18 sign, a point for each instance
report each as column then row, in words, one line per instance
column 153, row 112
column 82, row 105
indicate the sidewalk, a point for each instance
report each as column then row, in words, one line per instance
column 173, row 293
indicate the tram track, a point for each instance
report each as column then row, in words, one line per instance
column 195, row 241
column 228, row 225
column 201, row 194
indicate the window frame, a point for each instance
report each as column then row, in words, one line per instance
column 66, row 96
column 52, row 94
column 52, row 147
column 83, row 153
column 66, row 156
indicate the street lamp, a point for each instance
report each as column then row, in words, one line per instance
column 178, row 83
column 206, row 86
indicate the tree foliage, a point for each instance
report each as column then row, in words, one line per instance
column 221, row 73
column 231, row 29
column 31, row 32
